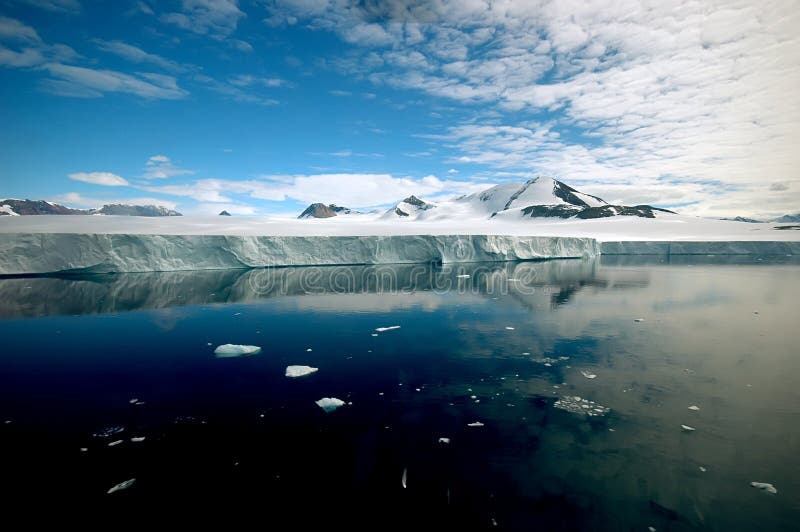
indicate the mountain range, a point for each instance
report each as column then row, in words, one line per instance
column 15, row 207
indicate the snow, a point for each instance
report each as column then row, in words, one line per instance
column 299, row 371
column 234, row 350
column 391, row 328
column 8, row 210
column 766, row 486
column 329, row 404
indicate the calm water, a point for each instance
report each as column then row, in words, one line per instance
column 90, row 361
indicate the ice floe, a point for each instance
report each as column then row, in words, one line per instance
column 766, row 486
column 465, row 276
column 138, row 439
column 391, row 328
column 687, row 428
column 329, row 404
column 444, row 440
column 588, row 374
column 299, row 371
column 475, row 424
column 578, row 405
column 405, row 477
column 638, row 320
column 122, row 486
column 509, row 328
column 235, row 350
column 694, row 407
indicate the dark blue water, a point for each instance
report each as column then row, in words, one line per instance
column 94, row 360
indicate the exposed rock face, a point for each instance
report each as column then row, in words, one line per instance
column 224, row 213
column 320, row 210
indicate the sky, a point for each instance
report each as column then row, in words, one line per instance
column 264, row 106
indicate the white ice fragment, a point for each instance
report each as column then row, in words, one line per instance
column 475, row 424
column 329, row 404
column 638, row 320
column 133, row 401
column 702, row 469
column 473, row 396
column 588, row 374
column 84, row 449
column 235, row 350
column 374, row 334
column 405, row 476
column 209, row 344
column 509, row 328
column 114, row 443
column 137, row 439
column 122, row 486
column 464, row 276
column 444, row 440
column 308, row 350
column 687, row 428
column 651, row 529
column 391, row 328
column 766, row 486
column 694, row 407
column 299, row 371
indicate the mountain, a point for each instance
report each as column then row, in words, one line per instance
column 37, row 207
column 788, row 219
column 119, row 209
column 743, row 219
column 541, row 197
column 224, row 213
column 320, row 210
column 31, row 207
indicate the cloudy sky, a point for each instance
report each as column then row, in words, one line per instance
column 263, row 106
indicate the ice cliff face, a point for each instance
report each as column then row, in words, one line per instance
column 27, row 253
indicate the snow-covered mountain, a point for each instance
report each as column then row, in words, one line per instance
column 541, row 197
column 15, row 207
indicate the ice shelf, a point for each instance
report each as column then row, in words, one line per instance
column 41, row 253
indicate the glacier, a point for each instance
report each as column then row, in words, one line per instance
column 43, row 253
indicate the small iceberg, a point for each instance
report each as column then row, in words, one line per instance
column 475, row 424
column 235, row 350
column 405, row 477
column 687, row 428
column 766, row 486
column 299, row 371
column 384, row 329
column 588, row 375
column 509, row 328
column 577, row 405
column 638, row 320
column 463, row 276
column 122, row 486
column 694, row 407
column 329, row 404
column 444, row 440
column 138, row 439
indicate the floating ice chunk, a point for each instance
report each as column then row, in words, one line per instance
column 475, row 424
column 405, row 476
column 235, row 350
column 638, row 320
column 576, row 405
column 391, row 328
column 133, row 401
column 464, row 276
column 588, row 374
column 766, row 486
column 308, row 350
column 512, row 279
column 108, row 432
column 509, row 328
column 138, row 439
column 473, row 396
column 651, row 529
column 122, row 486
column 114, row 443
column 687, row 428
column 329, row 404
column 84, row 449
column 299, row 371
column 694, row 407
column 444, row 440
column 702, row 469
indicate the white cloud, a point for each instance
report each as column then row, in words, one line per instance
column 146, row 85
column 100, row 178
column 676, row 92
column 63, row 6
column 12, row 29
column 137, row 55
column 161, row 167
column 215, row 18
column 234, row 91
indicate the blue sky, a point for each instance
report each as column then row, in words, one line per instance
column 261, row 107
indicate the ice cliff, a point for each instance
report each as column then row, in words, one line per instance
column 39, row 253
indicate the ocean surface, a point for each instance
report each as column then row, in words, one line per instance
column 518, row 396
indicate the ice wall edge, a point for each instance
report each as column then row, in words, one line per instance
column 43, row 253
